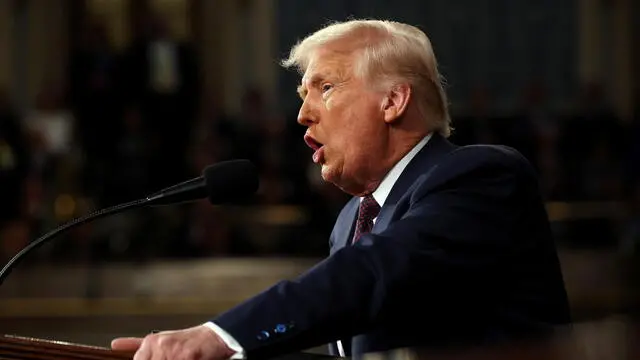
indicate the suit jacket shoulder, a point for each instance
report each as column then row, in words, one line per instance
column 477, row 160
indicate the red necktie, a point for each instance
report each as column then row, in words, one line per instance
column 369, row 209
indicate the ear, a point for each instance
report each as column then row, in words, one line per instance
column 396, row 102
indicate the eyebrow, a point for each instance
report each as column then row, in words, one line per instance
column 302, row 92
column 314, row 81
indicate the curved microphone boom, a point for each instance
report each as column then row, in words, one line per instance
column 221, row 183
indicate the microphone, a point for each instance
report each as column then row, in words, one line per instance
column 221, row 183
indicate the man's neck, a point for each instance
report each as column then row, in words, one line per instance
column 384, row 187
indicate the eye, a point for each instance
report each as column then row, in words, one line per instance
column 326, row 87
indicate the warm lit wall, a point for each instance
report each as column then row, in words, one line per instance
column 623, row 45
column 606, row 47
column 177, row 14
column 220, row 50
column 5, row 45
column 635, row 59
column 238, row 49
column 47, row 44
column 236, row 41
column 115, row 13
column 238, row 46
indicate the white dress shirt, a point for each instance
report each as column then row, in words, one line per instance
column 380, row 194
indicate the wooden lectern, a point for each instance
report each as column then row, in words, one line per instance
column 23, row 348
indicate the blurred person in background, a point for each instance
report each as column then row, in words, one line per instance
column 133, row 153
column 14, row 236
column 94, row 87
column 161, row 80
column 14, row 161
column 591, row 147
column 50, row 126
column 535, row 133
column 439, row 245
column 14, row 171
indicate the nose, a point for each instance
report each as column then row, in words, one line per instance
column 306, row 115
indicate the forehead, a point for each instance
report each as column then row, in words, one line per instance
column 326, row 64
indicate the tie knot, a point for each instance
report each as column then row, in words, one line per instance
column 369, row 208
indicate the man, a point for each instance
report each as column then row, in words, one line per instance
column 460, row 252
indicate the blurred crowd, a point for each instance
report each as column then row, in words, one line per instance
column 128, row 123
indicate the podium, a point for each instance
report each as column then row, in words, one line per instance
column 25, row 348
column 562, row 348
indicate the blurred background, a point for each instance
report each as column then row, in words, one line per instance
column 105, row 101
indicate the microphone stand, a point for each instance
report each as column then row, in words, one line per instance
column 220, row 183
column 239, row 175
column 4, row 273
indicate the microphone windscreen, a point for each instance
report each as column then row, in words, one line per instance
column 231, row 181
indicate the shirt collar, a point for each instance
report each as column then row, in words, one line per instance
column 383, row 190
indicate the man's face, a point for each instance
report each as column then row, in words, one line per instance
column 346, row 127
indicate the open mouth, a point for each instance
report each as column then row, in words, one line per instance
column 312, row 143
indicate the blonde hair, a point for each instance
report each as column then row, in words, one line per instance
column 389, row 52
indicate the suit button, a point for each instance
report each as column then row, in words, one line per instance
column 263, row 335
column 280, row 328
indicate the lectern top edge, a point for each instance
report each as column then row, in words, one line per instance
column 24, row 348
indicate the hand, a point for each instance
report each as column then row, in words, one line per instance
column 196, row 343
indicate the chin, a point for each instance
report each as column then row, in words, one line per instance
column 326, row 173
column 334, row 177
column 331, row 175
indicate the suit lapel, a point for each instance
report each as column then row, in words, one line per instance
column 423, row 162
column 344, row 225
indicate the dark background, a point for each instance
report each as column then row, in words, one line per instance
column 88, row 119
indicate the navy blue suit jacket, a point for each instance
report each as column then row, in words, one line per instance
column 460, row 254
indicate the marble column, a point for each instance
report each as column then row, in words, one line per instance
column 220, row 53
column 176, row 13
column 590, row 35
column 262, row 37
column 606, row 47
column 116, row 15
column 237, row 43
column 623, row 46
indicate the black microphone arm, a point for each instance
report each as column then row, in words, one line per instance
column 57, row 231
column 221, row 183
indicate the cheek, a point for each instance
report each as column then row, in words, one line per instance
column 348, row 118
column 350, row 138
column 329, row 104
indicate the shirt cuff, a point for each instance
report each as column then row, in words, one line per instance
column 228, row 339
